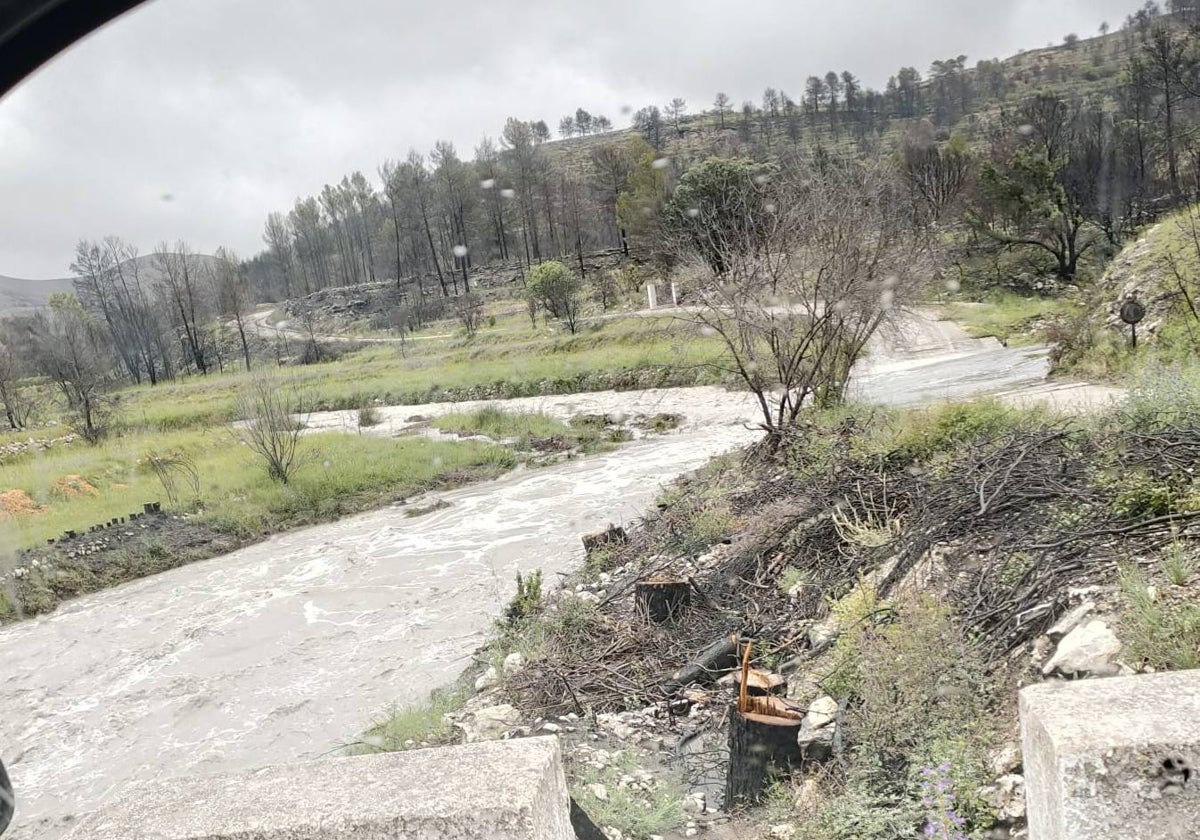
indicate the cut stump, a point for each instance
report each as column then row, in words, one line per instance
column 662, row 601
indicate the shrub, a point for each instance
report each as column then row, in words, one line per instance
column 369, row 416
column 419, row 725
column 528, row 600
column 274, row 414
column 1165, row 636
column 552, row 286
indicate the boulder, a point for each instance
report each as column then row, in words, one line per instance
column 1070, row 621
column 487, row 679
column 485, row 723
column 513, row 663
column 1006, row 796
column 821, row 712
column 1089, row 650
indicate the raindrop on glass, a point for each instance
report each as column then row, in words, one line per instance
column 508, row 193
column 1025, row 130
column 460, row 251
column 887, row 298
column 890, row 282
column 437, row 461
column 693, row 212
column 661, row 163
column 761, row 178
column 953, row 286
column 488, row 183
column 328, row 464
column 770, row 208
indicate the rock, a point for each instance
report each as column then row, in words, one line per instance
column 783, row 831
column 1088, row 650
column 513, row 663
column 815, row 744
column 691, row 832
column 485, row 724
column 1007, row 760
column 695, row 803
column 808, row 798
column 1070, row 621
column 612, row 833
column 599, row 791
column 821, row 712
column 821, row 634
column 487, row 679
column 552, row 728
column 1007, row 797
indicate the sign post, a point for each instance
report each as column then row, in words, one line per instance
column 1132, row 313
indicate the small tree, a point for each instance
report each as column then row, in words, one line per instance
column 604, row 285
column 71, row 349
column 468, row 309
column 274, row 413
column 554, row 288
column 798, row 280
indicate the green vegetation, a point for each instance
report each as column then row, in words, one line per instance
column 1156, row 631
column 526, row 428
column 653, row 807
column 1013, row 319
column 413, row 727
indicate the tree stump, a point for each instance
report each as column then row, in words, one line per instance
column 613, row 535
column 660, row 601
column 762, row 744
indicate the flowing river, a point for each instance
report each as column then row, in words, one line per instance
column 285, row 650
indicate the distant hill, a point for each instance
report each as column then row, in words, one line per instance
column 18, row 295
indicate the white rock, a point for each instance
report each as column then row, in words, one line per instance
column 487, row 679
column 821, row 712
column 513, row 663
column 1007, row 796
column 1070, row 621
column 485, row 724
column 691, row 832
column 612, row 833
column 551, row 728
column 599, row 791
column 695, row 803
column 588, row 597
column 1091, row 649
column 783, row 831
column 1006, row 760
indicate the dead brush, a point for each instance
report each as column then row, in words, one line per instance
column 870, row 519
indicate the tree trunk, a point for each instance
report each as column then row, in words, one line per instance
column 760, row 747
column 663, row 601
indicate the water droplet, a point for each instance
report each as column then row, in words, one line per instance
column 646, row 211
column 770, row 208
column 460, row 251
column 508, row 193
column 1025, row 130
column 488, row 183
column 328, row 464
column 841, row 306
column 887, row 299
column 437, row 461
column 626, row 110
column 661, row 163
column 693, row 212
column 761, row 178
column 707, row 331
column 890, row 282
column 953, row 286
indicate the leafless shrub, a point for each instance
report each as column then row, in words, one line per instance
column 468, row 309
column 171, row 469
column 274, row 414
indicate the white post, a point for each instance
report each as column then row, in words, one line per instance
column 674, row 294
column 651, row 296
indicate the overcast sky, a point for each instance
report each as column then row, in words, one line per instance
column 195, row 118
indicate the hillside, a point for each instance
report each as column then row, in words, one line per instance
column 17, row 295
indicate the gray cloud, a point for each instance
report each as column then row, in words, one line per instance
column 194, row 120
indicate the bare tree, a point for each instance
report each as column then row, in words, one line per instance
column 179, row 286
column 722, row 106
column 468, row 308
column 232, row 295
column 273, row 412
column 71, row 350
column 824, row 259
column 17, row 398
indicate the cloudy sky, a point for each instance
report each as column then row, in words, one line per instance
column 195, row 118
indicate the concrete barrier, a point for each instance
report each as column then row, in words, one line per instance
column 498, row 790
column 1113, row 759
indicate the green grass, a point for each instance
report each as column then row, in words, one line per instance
column 499, row 425
column 1007, row 317
column 343, row 474
column 637, row 814
column 411, row 727
column 1164, row 635
column 632, row 352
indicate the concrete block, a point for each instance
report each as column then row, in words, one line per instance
column 500, row 790
column 1113, row 759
